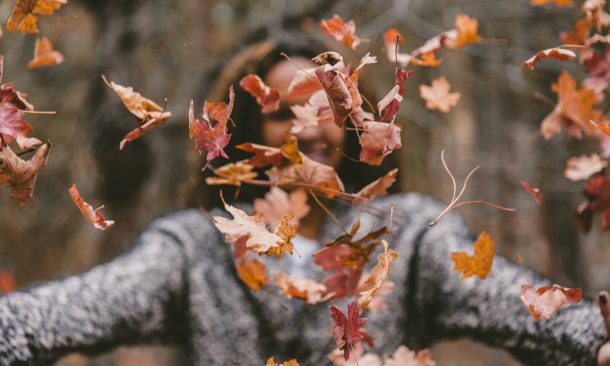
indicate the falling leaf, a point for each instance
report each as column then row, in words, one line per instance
column 287, row 232
column 208, row 137
column 252, row 272
column 358, row 357
column 304, row 82
column 7, row 281
column 24, row 17
column 263, row 155
column 378, row 303
column 597, row 193
column 574, row 110
column 378, row 275
column 148, row 113
column 300, row 288
column 279, row 203
column 556, row 53
column 342, row 32
column 581, row 168
column 271, row 362
column 305, row 116
column 535, row 192
column 543, row 302
column 20, row 174
column 467, row 32
column 347, row 330
column 579, row 32
column 376, row 188
column 268, row 98
column 378, row 140
column 437, row 96
column 335, row 86
column 392, row 38
column 388, row 105
column 232, row 174
column 259, row 240
column 403, row 356
column 91, row 215
column 45, row 54
column 478, row 264
column 560, row 3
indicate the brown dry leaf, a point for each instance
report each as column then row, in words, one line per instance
column 45, row 54
column 278, row 203
column 378, row 275
column 376, row 188
column 91, row 215
column 305, row 82
column 378, row 303
column 478, row 264
column 467, row 32
column 560, row 3
column 259, row 239
column 20, row 174
column 271, row 362
column 557, row 53
column 437, row 96
column 232, row 174
column 545, row 301
column 24, row 17
column 581, row 168
column 300, row 288
column 148, row 113
column 252, row 272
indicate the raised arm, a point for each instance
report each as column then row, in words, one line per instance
column 138, row 297
column 490, row 311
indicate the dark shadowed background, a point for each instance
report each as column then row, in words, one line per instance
column 165, row 48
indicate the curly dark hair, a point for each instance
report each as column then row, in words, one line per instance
column 259, row 58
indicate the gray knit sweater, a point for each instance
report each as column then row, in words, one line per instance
column 178, row 285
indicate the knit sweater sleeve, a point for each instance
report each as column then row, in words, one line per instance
column 138, row 297
column 489, row 310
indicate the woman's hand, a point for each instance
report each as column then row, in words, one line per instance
column 603, row 355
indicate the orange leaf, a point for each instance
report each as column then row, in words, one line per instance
column 91, row 215
column 300, row 288
column 376, row 188
column 342, row 32
column 278, row 203
column 478, row 264
column 232, row 174
column 44, row 54
column 560, row 3
column 266, row 97
column 24, row 15
column 252, row 272
column 466, row 29
column 556, row 53
column 545, row 301
column 437, row 96
column 271, row 362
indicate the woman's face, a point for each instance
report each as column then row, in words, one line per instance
column 320, row 143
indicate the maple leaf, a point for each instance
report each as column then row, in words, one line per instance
column 579, row 33
column 377, row 188
column 347, row 329
column 45, row 54
column 478, row 264
column 574, row 109
column 20, row 174
column 335, row 86
column 252, row 272
column 560, row 3
column 466, row 29
column 580, row 168
column 597, row 193
column 535, row 192
column 268, row 98
column 543, row 302
column 378, row 275
column 437, row 96
column 304, row 82
column 403, row 356
column 91, row 215
column 287, row 232
column 24, row 17
column 259, row 239
column 305, row 116
column 378, row 140
column 208, row 137
column 148, row 113
column 301, row 288
column 271, row 362
column 555, row 52
column 341, row 31
column 278, row 203
column 232, row 174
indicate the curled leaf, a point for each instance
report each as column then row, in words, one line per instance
column 341, row 31
column 20, row 174
column 268, row 98
column 378, row 275
column 300, row 288
column 556, row 53
column 91, row 215
column 543, row 302
column 45, row 54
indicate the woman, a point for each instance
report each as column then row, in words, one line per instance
column 178, row 284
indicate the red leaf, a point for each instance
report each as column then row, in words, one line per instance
column 347, row 329
column 266, row 97
column 378, row 140
column 335, row 86
column 597, row 193
column 212, row 139
column 388, row 105
column 535, row 192
column 91, row 215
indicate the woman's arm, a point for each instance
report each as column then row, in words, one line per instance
column 490, row 311
column 138, row 297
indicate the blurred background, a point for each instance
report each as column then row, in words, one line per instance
column 166, row 48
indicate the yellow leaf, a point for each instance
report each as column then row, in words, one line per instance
column 252, row 272
column 478, row 264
